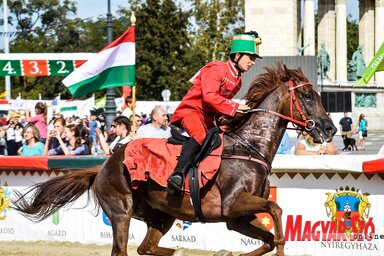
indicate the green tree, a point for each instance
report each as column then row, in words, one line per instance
column 44, row 27
column 163, row 50
column 216, row 22
column 352, row 36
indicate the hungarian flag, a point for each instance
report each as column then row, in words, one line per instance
column 376, row 64
column 113, row 66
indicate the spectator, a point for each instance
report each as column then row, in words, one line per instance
column 306, row 146
column 121, row 127
column 52, row 142
column 23, row 121
column 11, row 138
column 361, row 127
column 143, row 118
column 3, row 142
column 157, row 128
column 85, row 140
column 73, row 146
column 93, row 124
column 18, row 136
column 285, row 145
column 32, row 146
column 129, row 106
column 136, row 123
column 40, row 119
column 346, row 128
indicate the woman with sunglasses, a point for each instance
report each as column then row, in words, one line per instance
column 121, row 127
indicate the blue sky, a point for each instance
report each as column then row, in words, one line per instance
column 94, row 8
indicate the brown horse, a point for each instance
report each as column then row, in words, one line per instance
column 238, row 191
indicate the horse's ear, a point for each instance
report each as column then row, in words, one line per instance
column 287, row 71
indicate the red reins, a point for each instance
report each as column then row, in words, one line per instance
column 308, row 124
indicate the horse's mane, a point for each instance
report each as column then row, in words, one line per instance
column 264, row 84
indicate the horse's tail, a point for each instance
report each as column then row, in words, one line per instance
column 53, row 194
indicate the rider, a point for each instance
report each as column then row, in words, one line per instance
column 214, row 86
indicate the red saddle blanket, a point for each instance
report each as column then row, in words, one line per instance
column 156, row 159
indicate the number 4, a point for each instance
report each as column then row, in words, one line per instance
column 8, row 68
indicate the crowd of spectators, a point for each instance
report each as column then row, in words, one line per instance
column 34, row 135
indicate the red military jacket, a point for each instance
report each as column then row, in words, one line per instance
column 213, row 88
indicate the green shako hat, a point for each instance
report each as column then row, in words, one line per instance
column 245, row 43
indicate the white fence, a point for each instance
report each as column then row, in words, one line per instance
column 300, row 191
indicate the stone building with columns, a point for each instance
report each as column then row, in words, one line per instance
column 288, row 25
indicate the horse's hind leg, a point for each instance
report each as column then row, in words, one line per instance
column 252, row 227
column 158, row 224
column 118, row 206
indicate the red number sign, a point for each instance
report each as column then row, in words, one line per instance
column 35, row 67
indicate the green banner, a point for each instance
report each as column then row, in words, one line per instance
column 36, row 67
column 60, row 67
column 376, row 64
column 10, row 68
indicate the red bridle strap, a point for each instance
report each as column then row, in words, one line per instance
column 308, row 124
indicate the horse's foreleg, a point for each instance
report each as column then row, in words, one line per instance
column 158, row 224
column 248, row 204
column 252, row 227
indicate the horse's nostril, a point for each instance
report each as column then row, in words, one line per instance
column 330, row 130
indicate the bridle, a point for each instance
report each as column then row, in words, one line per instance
column 308, row 124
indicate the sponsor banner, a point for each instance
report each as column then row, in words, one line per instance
column 321, row 216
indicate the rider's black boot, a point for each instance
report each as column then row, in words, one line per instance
column 188, row 151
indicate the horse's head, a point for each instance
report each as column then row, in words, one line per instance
column 298, row 102
column 304, row 105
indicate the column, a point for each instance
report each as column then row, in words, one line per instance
column 326, row 31
column 276, row 22
column 379, row 34
column 366, row 30
column 309, row 27
column 341, row 41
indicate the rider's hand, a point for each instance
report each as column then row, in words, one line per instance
column 243, row 107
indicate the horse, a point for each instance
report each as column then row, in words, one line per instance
column 238, row 191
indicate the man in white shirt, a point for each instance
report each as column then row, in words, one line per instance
column 157, row 128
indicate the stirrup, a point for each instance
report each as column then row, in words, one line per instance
column 175, row 182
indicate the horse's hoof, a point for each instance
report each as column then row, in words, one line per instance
column 223, row 253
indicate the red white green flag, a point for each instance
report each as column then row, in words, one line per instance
column 113, row 66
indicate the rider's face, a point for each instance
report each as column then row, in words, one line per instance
column 246, row 61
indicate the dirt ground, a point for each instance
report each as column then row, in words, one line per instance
column 43, row 248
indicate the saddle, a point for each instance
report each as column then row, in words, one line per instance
column 211, row 142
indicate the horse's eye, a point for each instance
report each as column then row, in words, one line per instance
column 307, row 96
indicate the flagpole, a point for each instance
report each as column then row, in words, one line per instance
column 6, row 48
column 110, row 105
column 133, row 23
